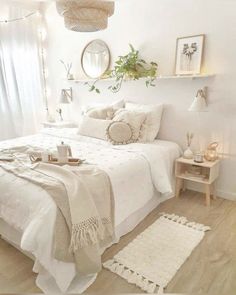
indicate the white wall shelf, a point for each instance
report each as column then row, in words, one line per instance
column 186, row 76
column 190, row 77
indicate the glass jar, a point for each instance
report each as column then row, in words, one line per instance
column 211, row 152
column 198, row 157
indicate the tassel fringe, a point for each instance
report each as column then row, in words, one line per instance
column 137, row 279
column 133, row 277
column 184, row 221
column 88, row 232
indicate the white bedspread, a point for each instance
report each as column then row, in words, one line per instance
column 135, row 170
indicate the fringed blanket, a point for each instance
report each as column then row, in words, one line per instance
column 83, row 197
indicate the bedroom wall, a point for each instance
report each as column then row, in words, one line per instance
column 152, row 27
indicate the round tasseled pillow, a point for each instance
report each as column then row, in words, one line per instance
column 120, row 133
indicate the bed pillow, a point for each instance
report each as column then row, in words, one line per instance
column 120, row 133
column 105, row 113
column 133, row 118
column 116, row 105
column 93, row 127
column 151, row 125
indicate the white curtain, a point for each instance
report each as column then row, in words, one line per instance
column 21, row 95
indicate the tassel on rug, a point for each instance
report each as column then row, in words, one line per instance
column 133, row 277
column 183, row 220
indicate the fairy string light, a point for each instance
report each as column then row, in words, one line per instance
column 42, row 53
column 19, row 18
column 41, row 49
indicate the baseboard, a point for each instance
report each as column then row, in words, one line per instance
column 226, row 195
column 220, row 193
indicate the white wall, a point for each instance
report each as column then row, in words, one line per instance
column 152, row 27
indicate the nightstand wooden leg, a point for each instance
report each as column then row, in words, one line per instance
column 178, row 186
column 208, row 194
column 214, row 191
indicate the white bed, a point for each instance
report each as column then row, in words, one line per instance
column 141, row 178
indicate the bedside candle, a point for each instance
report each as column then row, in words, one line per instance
column 198, row 158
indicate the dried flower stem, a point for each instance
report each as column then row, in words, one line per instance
column 67, row 67
column 189, row 138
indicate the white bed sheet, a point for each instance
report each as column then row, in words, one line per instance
column 27, row 207
column 45, row 280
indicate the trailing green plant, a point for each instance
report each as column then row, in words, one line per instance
column 129, row 66
column 92, row 86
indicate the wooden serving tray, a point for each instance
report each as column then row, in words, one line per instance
column 71, row 162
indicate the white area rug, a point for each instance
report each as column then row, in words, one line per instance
column 152, row 259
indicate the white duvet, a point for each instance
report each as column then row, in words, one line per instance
column 135, row 170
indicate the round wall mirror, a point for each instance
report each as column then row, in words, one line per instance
column 95, row 59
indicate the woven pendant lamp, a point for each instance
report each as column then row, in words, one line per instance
column 85, row 15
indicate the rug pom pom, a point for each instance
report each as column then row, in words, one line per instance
column 160, row 290
column 139, row 281
column 151, row 288
column 114, row 267
column 132, row 278
column 126, row 274
column 120, row 269
column 108, row 263
column 145, row 284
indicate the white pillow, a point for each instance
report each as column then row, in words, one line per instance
column 116, row 105
column 151, row 125
column 133, row 118
column 93, row 127
column 105, row 113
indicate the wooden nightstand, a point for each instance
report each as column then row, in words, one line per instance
column 205, row 173
column 59, row 124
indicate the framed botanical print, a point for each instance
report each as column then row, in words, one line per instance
column 189, row 52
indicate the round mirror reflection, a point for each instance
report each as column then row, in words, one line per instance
column 95, row 59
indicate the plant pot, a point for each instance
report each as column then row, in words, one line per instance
column 70, row 77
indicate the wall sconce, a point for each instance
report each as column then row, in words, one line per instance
column 65, row 98
column 199, row 103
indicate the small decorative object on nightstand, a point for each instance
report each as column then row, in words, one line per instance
column 60, row 124
column 188, row 154
column 211, row 152
column 205, row 173
column 198, row 157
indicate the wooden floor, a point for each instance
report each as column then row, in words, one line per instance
column 210, row 269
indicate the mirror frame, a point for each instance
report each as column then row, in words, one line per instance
column 109, row 54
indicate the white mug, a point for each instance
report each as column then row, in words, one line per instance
column 45, row 156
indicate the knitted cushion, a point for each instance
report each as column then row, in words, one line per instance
column 120, row 133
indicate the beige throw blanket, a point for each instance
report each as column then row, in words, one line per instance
column 83, row 197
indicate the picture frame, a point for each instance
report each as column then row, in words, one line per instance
column 189, row 55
